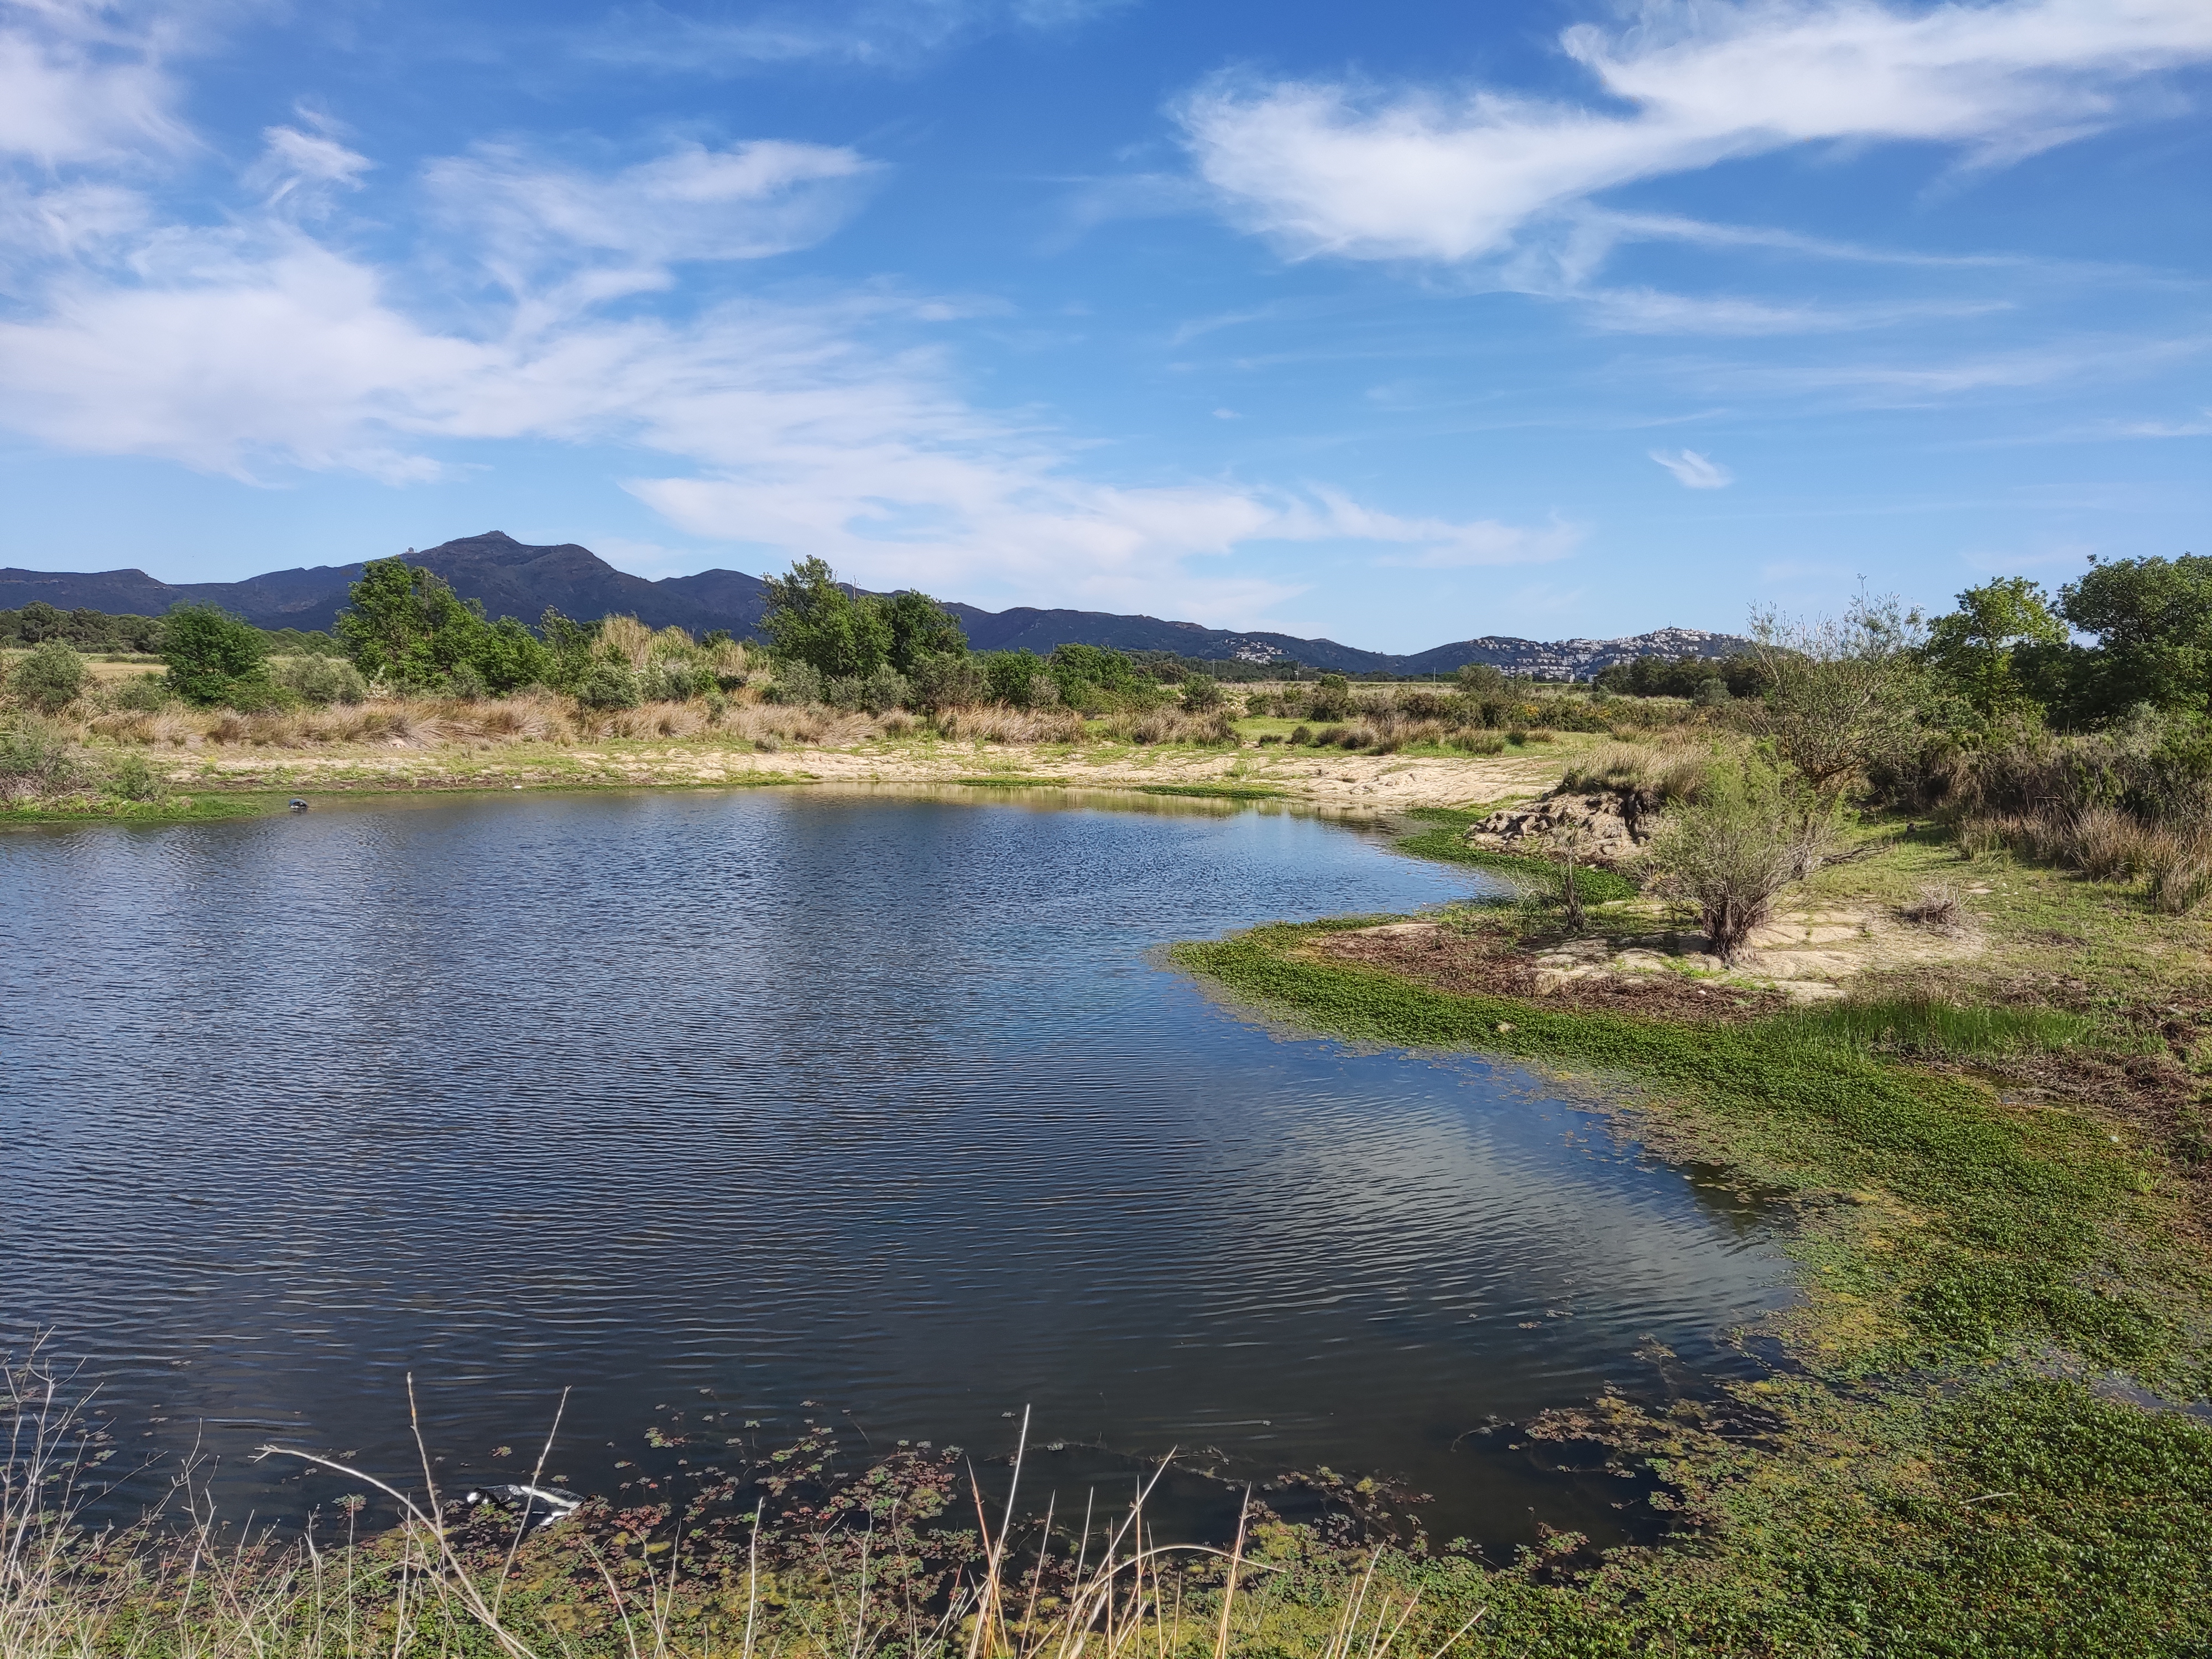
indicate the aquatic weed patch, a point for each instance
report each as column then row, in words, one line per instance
column 203, row 808
column 1213, row 791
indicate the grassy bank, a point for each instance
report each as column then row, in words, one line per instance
column 1995, row 1206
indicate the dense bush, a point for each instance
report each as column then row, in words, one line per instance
column 1020, row 678
column 50, row 678
column 35, row 760
column 318, row 682
column 215, row 658
column 143, row 694
column 132, row 776
column 609, row 686
column 1201, row 692
column 946, row 680
column 1330, row 699
column 406, row 627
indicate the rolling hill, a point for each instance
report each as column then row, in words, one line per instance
column 513, row 578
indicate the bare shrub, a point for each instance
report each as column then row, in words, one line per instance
column 1842, row 692
column 1731, row 853
column 1938, row 906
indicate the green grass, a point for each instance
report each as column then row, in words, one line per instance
column 1933, row 1026
column 1213, row 791
column 1924, row 1478
column 2023, row 1215
column 203, row 808
column 1444, row 842
column 1011, row 782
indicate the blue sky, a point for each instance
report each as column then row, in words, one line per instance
column 1397, row 323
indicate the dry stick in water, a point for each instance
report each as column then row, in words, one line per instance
column 470, row 1595
column 985, row 1613
column 522, row 1524
column 1229, row 1586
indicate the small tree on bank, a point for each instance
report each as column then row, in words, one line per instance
column 51, row 677
column 1843, row 694
column 215, row 658
column 1751, row 830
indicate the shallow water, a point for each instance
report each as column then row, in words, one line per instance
column 864, row 1109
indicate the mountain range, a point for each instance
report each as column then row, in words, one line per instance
column 513, row 578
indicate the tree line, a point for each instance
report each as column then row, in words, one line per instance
column 2010, row 650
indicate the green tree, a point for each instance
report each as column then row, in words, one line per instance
column 2152, row 620
column 921, row 627
column 51, row 677
column 1019, row 677
column 215, row 658
column 406, row 626
column 39, row 621
column 1973, row 650
column 812, row 617
column 1843, row 694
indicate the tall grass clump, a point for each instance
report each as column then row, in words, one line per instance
column 1933, row 1026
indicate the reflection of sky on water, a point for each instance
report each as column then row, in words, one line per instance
column 873, row 1101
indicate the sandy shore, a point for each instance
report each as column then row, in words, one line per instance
column 1345, row 782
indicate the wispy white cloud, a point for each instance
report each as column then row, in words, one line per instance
column 881, row 35
column 832, row 426
column 527, row 218
column 301, row 171
column 82, row 81
column 1649, row 311
column 1328, row 167
column 1693, row 470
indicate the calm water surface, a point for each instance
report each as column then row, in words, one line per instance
column 855, row 1108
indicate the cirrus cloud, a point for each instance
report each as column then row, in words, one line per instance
column 1328, row 167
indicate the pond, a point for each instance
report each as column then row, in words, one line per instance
column 874, row 1110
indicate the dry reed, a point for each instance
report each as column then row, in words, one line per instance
column 447, row 1580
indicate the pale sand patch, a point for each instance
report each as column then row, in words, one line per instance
column 1353, row 783
column 1808, row 955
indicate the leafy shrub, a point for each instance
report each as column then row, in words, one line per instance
column 609, row 686
column 1020, row 678
column 1331, row 699
column 1201, row 692
column 1303, row 736
column 1731, row 853
column 318, row 682
column 945, row 680
column 35, row 760
column 143, row 694
column 216, row 659
column 50, row 678
column 796, row 682
column 666, row 680
column 132, row 776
